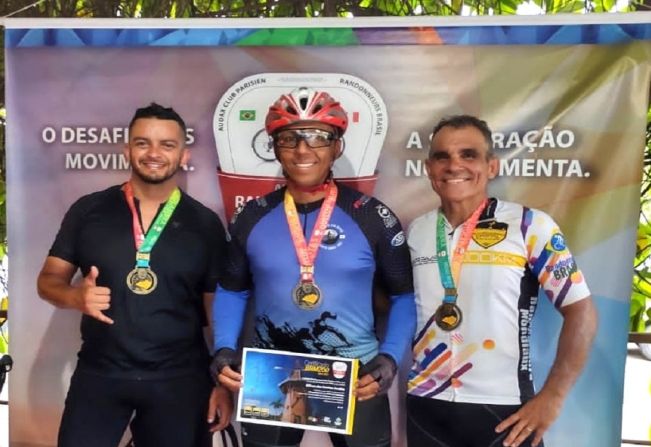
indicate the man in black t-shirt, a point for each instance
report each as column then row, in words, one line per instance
column 151, row 258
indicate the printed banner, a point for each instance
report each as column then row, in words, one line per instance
column 567, row 104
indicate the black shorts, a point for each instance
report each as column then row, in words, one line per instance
column 166, row 413
column 372, row 428
column 439, row 423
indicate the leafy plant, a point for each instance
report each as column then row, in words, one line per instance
column 640, row 315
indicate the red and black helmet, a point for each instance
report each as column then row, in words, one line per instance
column 305, row 104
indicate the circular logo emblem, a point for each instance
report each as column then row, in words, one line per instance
column 333, row 237
column 558, row 242
column 398, row 239
column 383, row 211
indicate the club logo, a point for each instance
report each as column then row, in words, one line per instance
column 339, row 369
column 387, row 216
column 333, row 237
column 398, row 239
column 557, row 242
column 489, row 233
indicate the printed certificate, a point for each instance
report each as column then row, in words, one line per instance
column 306, row 391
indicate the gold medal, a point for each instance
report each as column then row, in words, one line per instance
column 307, row 295
column 142, row 280
column 448, row 316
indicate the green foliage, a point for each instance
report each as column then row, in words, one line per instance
column 3, row 120
column 3, row 219
column 295, row 8
column 640, row 310
column 640, row 313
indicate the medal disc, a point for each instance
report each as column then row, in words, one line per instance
column 448, row 316
column 142, row 281
column 306, row 295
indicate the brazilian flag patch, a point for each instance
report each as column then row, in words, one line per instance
column 247, row 115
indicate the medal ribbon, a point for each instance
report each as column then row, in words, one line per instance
column 450, row 276
column 305, row 253
column 145, row 244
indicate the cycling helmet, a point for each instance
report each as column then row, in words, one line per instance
column 305, row 104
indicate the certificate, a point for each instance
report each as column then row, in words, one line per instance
column 306, row 391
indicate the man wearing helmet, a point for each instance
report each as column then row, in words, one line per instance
column 310, row 253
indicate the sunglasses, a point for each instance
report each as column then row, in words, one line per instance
column 314, row 138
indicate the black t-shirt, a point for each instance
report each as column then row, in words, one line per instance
column 155, row 335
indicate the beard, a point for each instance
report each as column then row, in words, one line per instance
column 157, row 178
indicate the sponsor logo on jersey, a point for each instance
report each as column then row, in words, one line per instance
column 564, row 268
column 361, row 201
column 333, row 237
column 489, row 233
column 237, row 212
column 525, row 316
column 387, row 216
column 398, row 239
column 557, row 242
column 424, row 260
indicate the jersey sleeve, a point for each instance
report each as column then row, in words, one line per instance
column 216, row 239
column 65, row 243
column 401, row 326
column 393, row 262
column 237, row 276
column 394, row 274
column 551, row 261
column 229, row 308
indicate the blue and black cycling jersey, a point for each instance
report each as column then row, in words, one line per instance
column 362, row 247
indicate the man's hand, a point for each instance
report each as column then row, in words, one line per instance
column 220, row 408
column 223, row 369
column 534, row 417
column 376, row 377
column 577, row 333
column 92, row 299
column 54, row 284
